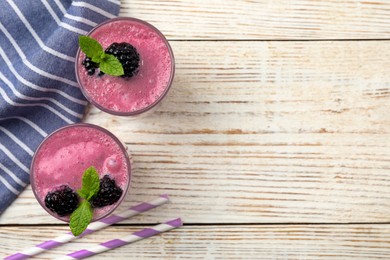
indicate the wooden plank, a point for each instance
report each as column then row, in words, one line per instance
column 221, row 242
column 272, row 19
column 261, row 132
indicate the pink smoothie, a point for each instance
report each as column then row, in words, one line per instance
column 122, row 96
column 64, row 156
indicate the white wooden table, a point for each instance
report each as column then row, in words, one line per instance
column 273, row 143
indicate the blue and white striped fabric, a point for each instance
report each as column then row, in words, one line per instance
column 38, row 88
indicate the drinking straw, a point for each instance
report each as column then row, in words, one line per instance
column 114, row 243
column 94, row 226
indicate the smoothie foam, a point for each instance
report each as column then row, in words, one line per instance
column 142, row 90
column 63, row 158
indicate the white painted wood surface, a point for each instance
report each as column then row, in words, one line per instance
column 269, row 149
column 224, row 242
column 265, row 19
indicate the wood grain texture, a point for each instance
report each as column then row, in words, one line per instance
column 270, row 20
column 261, row 132
column 259, row 138
column 221, row 242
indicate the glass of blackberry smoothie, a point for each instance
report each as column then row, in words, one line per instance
column 147, row 61
column 61, row 159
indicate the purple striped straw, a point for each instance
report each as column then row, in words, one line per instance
column 103, row 223
column 111, row 244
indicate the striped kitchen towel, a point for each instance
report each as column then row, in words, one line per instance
column 38, row 88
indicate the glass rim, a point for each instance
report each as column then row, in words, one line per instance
column 87, row 125
column 150, row 106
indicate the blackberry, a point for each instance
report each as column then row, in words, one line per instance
column 62, row 201
column 127, row 55
column 90, row 66
column 108, row 194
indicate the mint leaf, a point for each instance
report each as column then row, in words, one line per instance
column 90, row 185
column 99, row 58
column 111, row 65
column 90, row 47
column 80, row 218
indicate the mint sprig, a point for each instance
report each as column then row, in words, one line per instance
column 82, row 216
column 108, row 63
column 90, row 184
